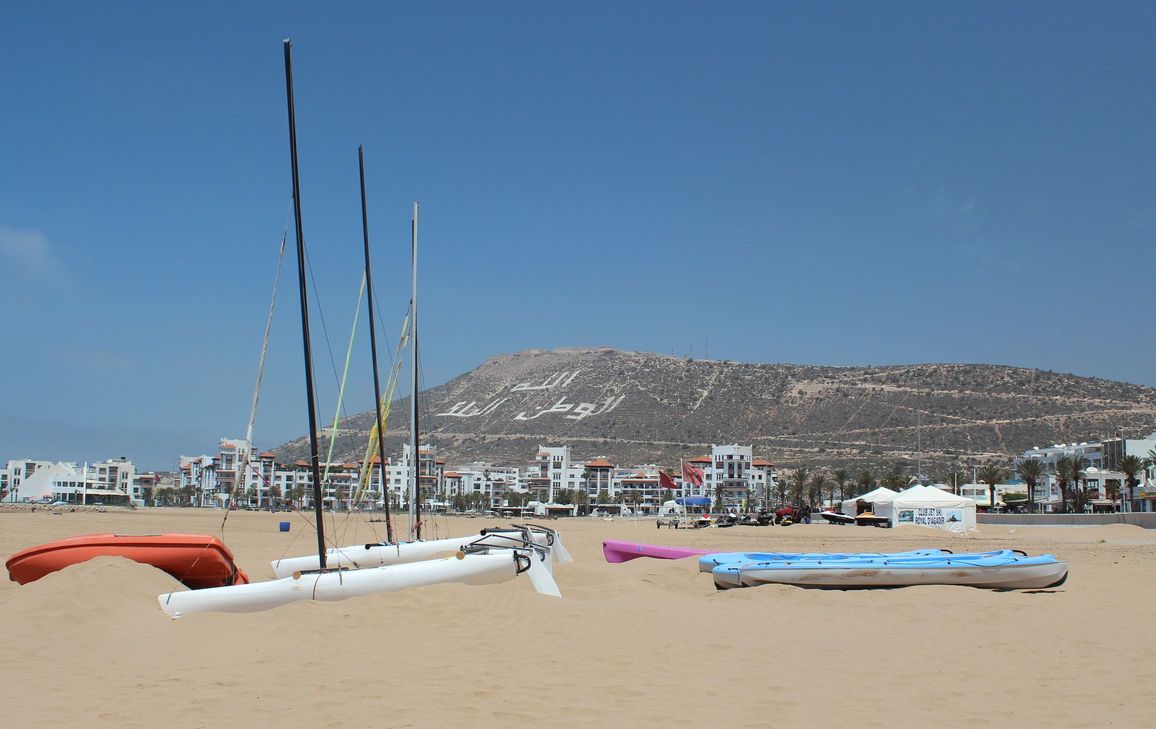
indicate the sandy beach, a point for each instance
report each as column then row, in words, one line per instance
column 645, row 643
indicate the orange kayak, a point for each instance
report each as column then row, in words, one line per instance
column 197, row 560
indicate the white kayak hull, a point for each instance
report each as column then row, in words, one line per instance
column 473, row 569
column 364, row 556
column 727, row 580
column 1006, row 577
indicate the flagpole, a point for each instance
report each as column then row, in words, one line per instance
column 682, row 486
column 682, row 480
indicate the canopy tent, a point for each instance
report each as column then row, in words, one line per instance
column 929, row 506
column 871, row 497
column 694, row 500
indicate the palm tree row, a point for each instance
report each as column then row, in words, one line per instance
column 1070, row 472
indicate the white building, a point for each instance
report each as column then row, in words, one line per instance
column 599, row 480
column 733, row 471
column 1101, row 481
column 398, row 476
column 19, row 483
column 553, row 471
column 1090, row 451
column 112, row 482
column 198, row 479
column 491, row 484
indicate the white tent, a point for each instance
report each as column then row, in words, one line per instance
column 871, row 497
column 929, row 506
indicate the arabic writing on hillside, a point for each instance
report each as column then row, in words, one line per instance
column 560, row 380
column 570, row 411
column 576, row 411
column 465, row 409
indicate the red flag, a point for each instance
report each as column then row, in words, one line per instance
column 691, row 475
column 665, row 481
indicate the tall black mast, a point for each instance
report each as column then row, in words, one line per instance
column 415, row 442
column 373, row 353
column 314, row 459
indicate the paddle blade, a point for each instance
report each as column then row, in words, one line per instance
column 541, row 578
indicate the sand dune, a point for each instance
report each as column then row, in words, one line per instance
column 644, row 643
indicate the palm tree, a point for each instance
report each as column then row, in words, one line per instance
column 952, row 475
column 296, row 493
column 630, row 496
column 1031, row 469
column 719, row 504
column 865, row 480
column 1129, row 466
column 895, row 479
column 991, row 474
column 582, row 498
column 841, row 477
column 1076, row 471
column 799, row 484
column 815, row 487
column 1063, row 466
column 781, row 486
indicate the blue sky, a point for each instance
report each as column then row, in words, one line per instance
column 818, row 183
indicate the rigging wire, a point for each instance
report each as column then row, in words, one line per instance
column 328, row 348
column 239, row 481
column 381, row 328
column 372, row 447
column 324, row 326
column 341, row 405
column 356, row 495
column 340, row 380
column 424, row 406
column 344, row 379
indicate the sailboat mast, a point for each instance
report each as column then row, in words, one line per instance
column 415, row 440
column 313, row 449
column 373, row 352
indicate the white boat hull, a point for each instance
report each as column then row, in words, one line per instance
column 472, row 569
column 363, row 556
column 1006, row 577
column 726, row 580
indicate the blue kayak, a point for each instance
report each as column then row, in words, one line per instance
column 1002, row 570
column 708, row 562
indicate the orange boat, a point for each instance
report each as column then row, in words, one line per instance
column 197, row 560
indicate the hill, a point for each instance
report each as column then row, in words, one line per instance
column 635, row 408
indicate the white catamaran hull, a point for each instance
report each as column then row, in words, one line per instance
column 1007, row 577
column 473, row 569
column 362, row 556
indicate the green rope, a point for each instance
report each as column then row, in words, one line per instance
column 344, row 379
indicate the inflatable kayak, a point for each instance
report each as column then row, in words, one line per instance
column 1000, row 572
column 197, row 560
column 708, row 562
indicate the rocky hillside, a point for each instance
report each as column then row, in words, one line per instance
column 636, row 408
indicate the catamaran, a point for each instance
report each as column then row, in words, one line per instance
column 477, row 561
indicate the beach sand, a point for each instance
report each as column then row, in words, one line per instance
column 647, row 643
